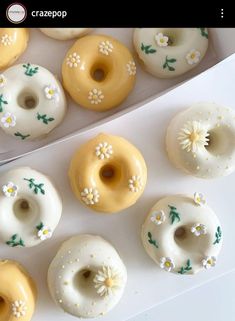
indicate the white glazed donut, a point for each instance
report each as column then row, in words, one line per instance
column 32, row 101
column 182, row 234
column 170, row 52
column 201, row 140
column 30, row 207
column 65, row 33
column 87, row 276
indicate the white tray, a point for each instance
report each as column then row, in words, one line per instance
column 50, row 53
column 145, row 127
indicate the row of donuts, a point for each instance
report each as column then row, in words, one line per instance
column 109, row 174
column 94, row 68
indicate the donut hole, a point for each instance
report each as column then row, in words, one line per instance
column 99, row 72
column 221, row 139
column 98, row 75
column 175, row 36
column 107, row 172
column 110, row 174
column 83, row 281
column 23, row 210
column 180, row 233
column 27, row 99
column 183, row 238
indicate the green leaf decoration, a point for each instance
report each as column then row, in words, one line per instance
column 35, row 187
column 174, row 215
column 147, row 49
column 14, row 237
column 168, row 62
column 21, row 242
column 23, row 137
column 29, row 70
column 203, row 32
column 2, row 102
column 45, row 119
column 171, row 60
column 218, row 235
column 151, row 241
column 13, row 242
column 39, row 226
column 185, row 269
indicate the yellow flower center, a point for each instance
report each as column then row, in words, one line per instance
column 198, row 200
column 167, row 264
column 209, row 261
column 1, row 80
column 192, row 55
column 51, row 91
column 158, row 217
column 162, row 40
column 45, row 232
column 109, row 282
column 95, row 97
column 194, row 137
column 9, row 120
column 20, row 309
column 136, row 184
column 198, row 228
column 90, row 196
column 103, row 150
column 10, row 190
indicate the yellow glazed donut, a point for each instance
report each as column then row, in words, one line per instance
column 13, row 42
column 98, row 72
column 108, row 173
column 17, row 292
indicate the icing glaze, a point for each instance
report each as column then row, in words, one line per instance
column 201, row 140
column 13, row 42
column 32, row 101
column 17, row 292
column 168, row 52
column 65, row 33
column 95, row 67
column 181, row 235
column 30, row 207
column 87, row 276
column 108, row 173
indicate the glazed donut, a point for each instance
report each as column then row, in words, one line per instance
column 13, row 42
column 201, row 140
column 108, row 174
column 170, row 52
column 64, row 33
column 95, row 68
column 32, row 101
column 87, row 276
column 182, row 234
column 30, row 207
column 17, row 292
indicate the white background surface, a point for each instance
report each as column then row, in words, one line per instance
column 213, row 301
column 145, row 127
column 50, row 53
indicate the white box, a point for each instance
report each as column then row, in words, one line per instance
column 50, row 53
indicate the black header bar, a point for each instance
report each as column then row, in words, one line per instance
column 114, row 13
